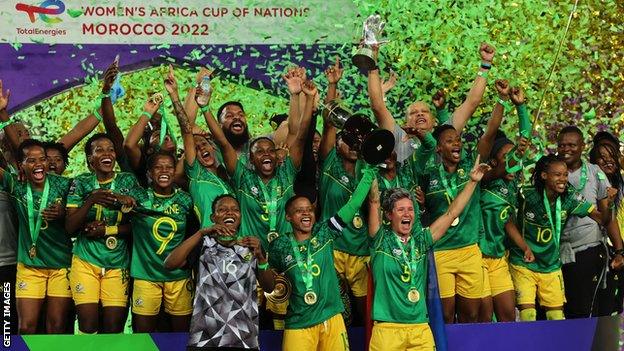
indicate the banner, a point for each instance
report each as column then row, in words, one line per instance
column 180, row 22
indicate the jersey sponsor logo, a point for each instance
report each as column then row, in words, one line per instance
column 580, row 197
column 397, row 252
column 433, row 182
column 288, row 259
column 530, row 215
column 344, row 179
column 504, row 191
column 138, row 302
column 254, row 190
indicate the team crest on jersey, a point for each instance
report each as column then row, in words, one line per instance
column 138, row 302
column 344, row 179
column 461, row 172
column 564, row 215
column 79, row 288
column 247, row 257
column 21, row 285
column 397, row 252
column 530, row 215
column 314, row 243
column 254, row 190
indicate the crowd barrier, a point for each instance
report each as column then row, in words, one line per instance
column 596, row 334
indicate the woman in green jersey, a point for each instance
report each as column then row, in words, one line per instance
column 158, row 226
column 543, row 210
column 96, row 207
column 399, row 264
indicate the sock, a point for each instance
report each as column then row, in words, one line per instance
column 554, row 315
column 528, row 314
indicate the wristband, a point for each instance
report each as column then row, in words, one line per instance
column 502, row 103
column 486, row 65
column 7, row 123
column 483, row 74
column 204, row 109
column 97, row 114
column 149, row 115
column 111, row 230
column 263, row 266
column 104, row 95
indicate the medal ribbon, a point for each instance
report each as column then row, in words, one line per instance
column 556, row 227
column 583, row 180
column 452, row 190
column 271, row 202
column 409, row 261
column 306, row 269
column 34, row 221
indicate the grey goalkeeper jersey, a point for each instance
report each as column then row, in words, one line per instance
column 225, row 309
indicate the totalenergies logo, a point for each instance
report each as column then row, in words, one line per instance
column 48, row 11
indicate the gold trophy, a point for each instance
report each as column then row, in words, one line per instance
column 371, row 33
column 281, row 291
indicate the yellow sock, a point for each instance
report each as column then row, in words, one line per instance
column 554, row 315
column 528, row 314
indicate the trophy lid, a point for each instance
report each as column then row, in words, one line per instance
column 377, row 146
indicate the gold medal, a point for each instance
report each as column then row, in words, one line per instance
column 455, row 222
column 111, row 242
column 413, row 295
column 310, row 297
column 126, row 208
column 272, row 236
column 32, row 253
column 281, row 291
column 358, row 222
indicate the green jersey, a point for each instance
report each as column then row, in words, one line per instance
column 440, row 188
column 394, row 278
column 335, row 189
column 534, row 224
column 262, row 205
column 498, row 203
column 53, row 245
column 204, row 187
column 158, row 227
column 95, row 251
column 324, row 282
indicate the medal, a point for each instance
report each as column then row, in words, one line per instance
column 413, row 295
column 272, row 236
column 455, row 222
column 357, row 222
column 35, row 219
column 32, row 253
column 310, row 298
column 111, row 242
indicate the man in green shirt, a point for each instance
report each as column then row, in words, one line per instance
column 543, row 210
column 399, row 264
column 314, row 320
column 44, row 249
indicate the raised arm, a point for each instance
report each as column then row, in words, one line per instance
column 131, row 143
column 348, row 211
column 80, row 130
column 374, row 209
column 439, row 101
column 108, row 114
column 469, row 106
column 487, row 139
column 440, row 226
column 328, row 137
column 296, row 149
column 190, row 105
column 294, row 80
column 9, row 130
column 378, row 105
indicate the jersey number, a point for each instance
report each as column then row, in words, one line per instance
column 544, row 235
column 228, row 267
column 164, row 240
column 406, row 276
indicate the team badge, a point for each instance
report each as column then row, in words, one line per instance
column 254, row 190
column 344, row 179
column 248, row 257
column 530, row 215
column 272, row 236
column 138, row 302
column 461, row 172
column 314, row 242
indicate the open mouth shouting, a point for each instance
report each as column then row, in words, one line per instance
column 107, row 163
column 266, row 165
column 237, row 127
column 164, row 180
column 456, row 153
column 306, row 221
column 38, row 174
column 560, row 186
column 230, row 222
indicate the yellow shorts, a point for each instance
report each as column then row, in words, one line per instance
column 399, row 337
column 496, row 277
column 460, row 272
column 353, row 269
column 37, row 283
column 147, row 297
column 92, row 284
column 329, row 335
column 547, row 286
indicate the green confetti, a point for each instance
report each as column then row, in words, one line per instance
column 74, row 13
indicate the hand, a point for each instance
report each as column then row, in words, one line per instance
column 293, row 80
column 611, row 194
column 254, row 244
column 95, row 229
column 414, row 132
column 334, row 73
column 517, row 96
column 54, row 212
column 217, row 230
column 375, row 48
column 387, row 85
column 439, row 99
column 281, row 152
column 151, row 107
column 126, row 200
column 4, row 97
column 528, row 255
column 617, row 263
column 102, row 197
column 523, row 145
column 309, row 88
column 109, row 77
column 478, row 170
column 201, row 74
column 199, row 92
column 487, row 52
column 420, row 196
column 503, row 88
column 171, row 84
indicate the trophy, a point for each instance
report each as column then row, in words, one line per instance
column 337, row 113
column 372, row 144
column 371, row 33
column 281, row 292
